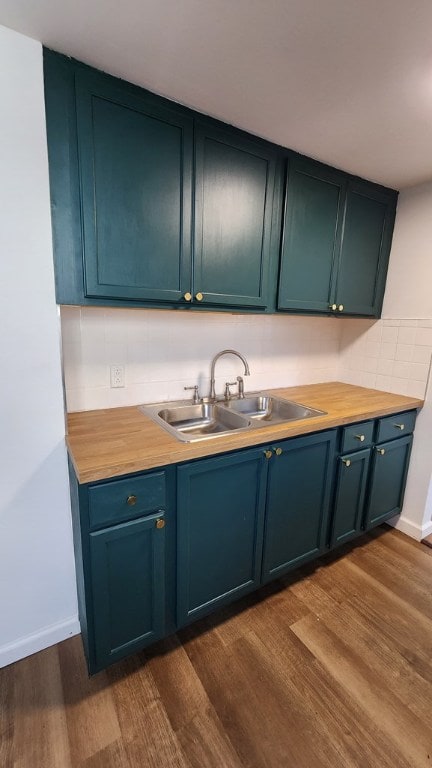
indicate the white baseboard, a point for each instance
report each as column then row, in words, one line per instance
column 427, row 529
column 417, row 532
column 26, row 646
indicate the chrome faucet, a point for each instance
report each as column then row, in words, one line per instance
column 212, row 395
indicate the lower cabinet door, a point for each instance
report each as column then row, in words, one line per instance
column 220, row 511
column 298, row 497
column 128, row 587
column 351, row 480
column 388, row 478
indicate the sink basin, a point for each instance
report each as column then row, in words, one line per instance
column 274, row 410
column 190, row 422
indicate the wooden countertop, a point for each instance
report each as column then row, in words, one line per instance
column 108, row 443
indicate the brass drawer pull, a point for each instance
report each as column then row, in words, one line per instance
column 333, row 307
column 187, row 296
column 347, row 462
column 278, row 451
column 160, row 523
column 199, row 296
column 268, row 454
column 360, row 437
column 381, row 451
column 399, row 426
column 131, row 500
column 341, row 307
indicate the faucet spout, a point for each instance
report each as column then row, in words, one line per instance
column 212, row 395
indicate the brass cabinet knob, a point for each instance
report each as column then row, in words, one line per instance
column 278, row 451
column 268, row 454
column 131, row 500
column 341, row 307
column 360, row 437
column 333, row 307
column 187, row 296
column 399, row 426
column 381, row 451
column 199, row 296
column 160, row 523
column 347, row 462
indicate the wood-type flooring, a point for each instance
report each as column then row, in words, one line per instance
column 330, row 667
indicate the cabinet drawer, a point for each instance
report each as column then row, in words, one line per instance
column 357, row 436
column 121, row 500
column 397, row 425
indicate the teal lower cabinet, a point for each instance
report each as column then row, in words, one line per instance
column 298, row 497
column 370, row 480
column 387, row 481
column 157, row 550
column 128, row 587
column 350, row 490
column 220, row 512
column 124, row 540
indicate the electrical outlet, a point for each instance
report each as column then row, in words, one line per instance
column 117, row 376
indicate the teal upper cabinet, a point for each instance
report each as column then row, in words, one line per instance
column 156, row 205
column 126, row 169
column 135, row 160
column 336, row 241
column 311, row 240
column 234, row 188
column 367, row 233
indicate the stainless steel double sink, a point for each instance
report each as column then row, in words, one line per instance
column 190, row 422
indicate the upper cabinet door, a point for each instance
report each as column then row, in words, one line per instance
column 135, row 159
column 311, row 239
column 367, row 233
column 235, row 179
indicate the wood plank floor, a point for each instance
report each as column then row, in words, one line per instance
column 329, row 668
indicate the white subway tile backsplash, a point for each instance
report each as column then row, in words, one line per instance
column 71, row 325
column 390, row 334
column 401, row 370
column 164, row 351
column 409, row 323
column 422, row 354
column 423, row 337
column 372, row 348
column 404, row 352
column 406, row 335
column 385, row 367
column 417, row 389
column 403, row 360
column 388, row 351
column 419, row 371
column 371, row 364
column 383, row 382
column 368, row 380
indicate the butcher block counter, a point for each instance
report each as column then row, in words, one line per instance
column 118, row 441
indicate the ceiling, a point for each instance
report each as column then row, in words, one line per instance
column 345, row 81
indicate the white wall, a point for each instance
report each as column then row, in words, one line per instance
column 408, row 292
column 37, row 583
column 163, row 351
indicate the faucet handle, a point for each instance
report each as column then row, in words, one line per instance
column 196, row 397
column 240, row 387
column 229, row 384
